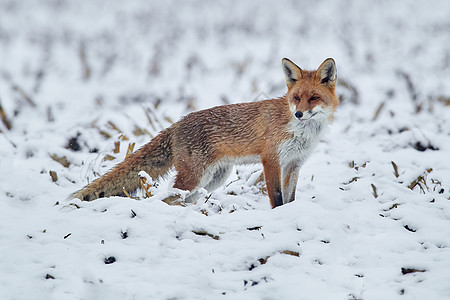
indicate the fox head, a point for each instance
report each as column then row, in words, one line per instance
column 311, row 94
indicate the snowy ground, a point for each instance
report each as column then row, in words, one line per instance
column 372, row 215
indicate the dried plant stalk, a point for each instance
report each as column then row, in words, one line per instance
column 61, row 159
column 116, row 147
column 50, row 116
column 174, row 200
column 445, row 100
column 54, row 176
column 411, row 89
column 145, row 186
column 123, row 137
column 374, row 190
column 352, row 180
column 290, row 252
column 130, row 149
column 168, row 119
column 84, row 63
column 126, row 193
column 203, row 232
column 114, row 126
column 420, row 181
column 109, row 157
column 24, row 95
column 105, row 134
column 138, row 131
column 395, row 169
column 149, row 118
column 377, row 113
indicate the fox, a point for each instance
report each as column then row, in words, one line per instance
column 204, row 146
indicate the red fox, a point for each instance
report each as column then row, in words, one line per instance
column 204, row 145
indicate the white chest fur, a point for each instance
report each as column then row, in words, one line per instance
column 306, row 135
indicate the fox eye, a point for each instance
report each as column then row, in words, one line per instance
column 297, row 98
column 313, row 98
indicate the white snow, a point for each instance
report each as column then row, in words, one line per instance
column 110, row 71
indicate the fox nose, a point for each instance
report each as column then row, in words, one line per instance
column 298, row 114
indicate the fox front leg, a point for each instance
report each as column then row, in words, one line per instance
column 273, row 181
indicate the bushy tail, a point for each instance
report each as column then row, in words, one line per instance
column 155, row 158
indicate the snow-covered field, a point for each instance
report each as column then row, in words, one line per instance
column 82, row 80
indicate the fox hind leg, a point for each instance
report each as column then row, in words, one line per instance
column 210, row 183
column 211, row 180
column 219, row 177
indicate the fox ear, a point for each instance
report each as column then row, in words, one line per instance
column 292, row 72
column 327, row 73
